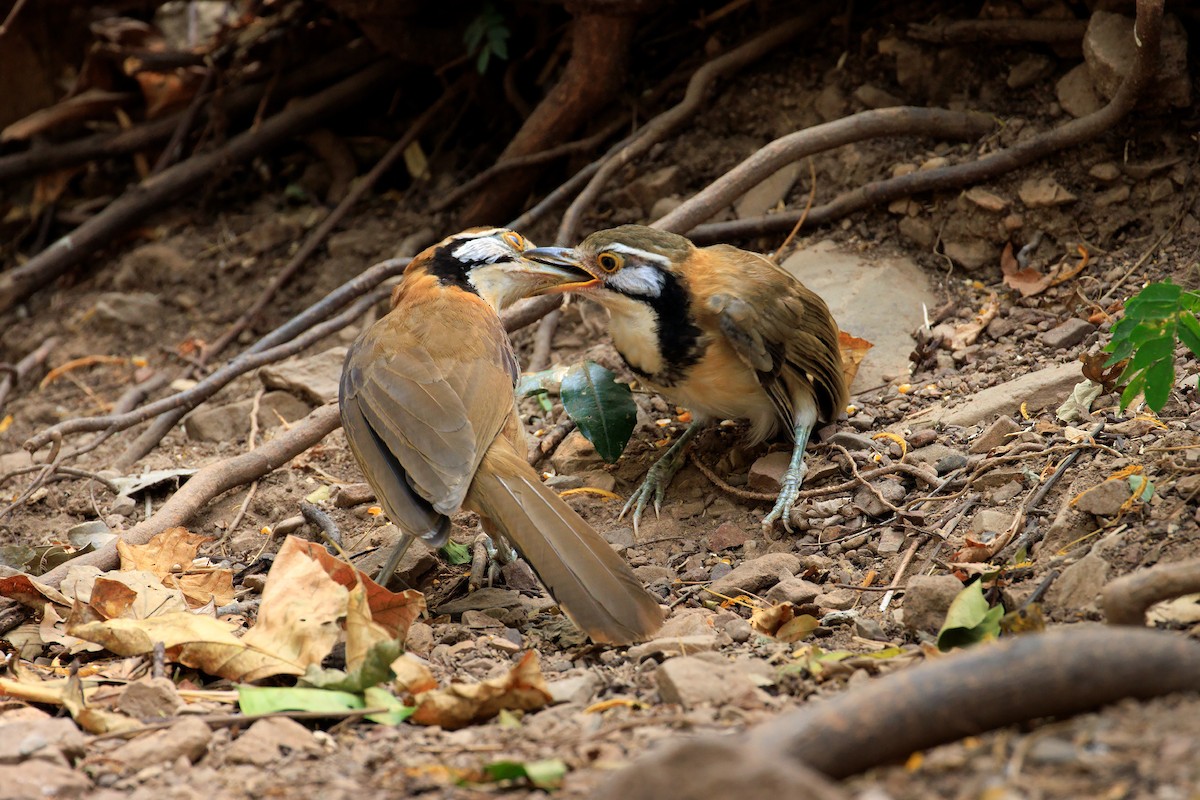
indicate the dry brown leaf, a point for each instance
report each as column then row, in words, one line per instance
column 200, row 642
column 168, row 556
column 853, row 350
column 52, row 630
column 460, row 704
column 412, row 676
column 28, row 592
column 965, row 334
column 781, row 622
column 93, row 720
column 1027, row 281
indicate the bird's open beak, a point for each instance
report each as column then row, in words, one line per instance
column 561, row 267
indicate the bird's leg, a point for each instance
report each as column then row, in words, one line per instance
column 393, row 560
column 659, row 477
column 489, row 553
column 792, row 479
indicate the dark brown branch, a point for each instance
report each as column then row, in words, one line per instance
column 134, row 206
column 38, row 159
column 14, row 375
column 1127, row 598
column 902, row 121
column 530, row 311
column 210, row 482
column 1075, row 132
column 187, row 120
column 1001, row 31
column 661, row 126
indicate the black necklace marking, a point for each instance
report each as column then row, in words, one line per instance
column 678, row 336
column 449, row 270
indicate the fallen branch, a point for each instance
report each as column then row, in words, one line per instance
column 661, row 126
column 210, row 482
column 1127, row 598
column 1148, row 30
column 1001, row 31
column 14, row 375
column 151, row 195
column 901, row 121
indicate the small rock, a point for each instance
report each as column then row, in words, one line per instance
column 869, row 628
column 830, row 103
column 768, row 194
column 932, row 455
column 853, row 441
column 1039, row 390
column 1044, row 192
column 1114, row 196
column 726, row 537
column 796, row 591
column 918, row 439
column 620, row 538
column 836, row 600
column 153, row 264
column 575, row 454
column 560, row 483
column 1109, row 50
column 650, row 573
column 578, row 689
column 1104, row 499
column 57, row 740
column 1068, row 334
column 738, row 630
column 1107, row 171
column 990, row 519
column 757, row 574
column 420, row 639
column 150, row 698
column 132, row 309
column 418, row 559
column 926, row 600
column 1029, row 71
column 42, row 779
column 269, row 740
column 1077, row 94
column 869, row 501
column 972, row 254
column 1007, row 492
column 1053, row 750
column 690, row 682
column 1079, row 585
column 766, row 474
column 890, row 542
column 519, row 575
column 874, row 97
column 664, row 648
column 314, row 378
column 124, row 505
column 999, row 477
column 187, row 738
column 918, row 231
column 994, row 435
column 653, row 186
column 479, row 620
column 230, row 423
column 986, row 200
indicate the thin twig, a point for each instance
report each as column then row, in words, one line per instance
column 12, row 16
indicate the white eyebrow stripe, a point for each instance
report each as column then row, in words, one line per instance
column 483, row 249
column 645, row 255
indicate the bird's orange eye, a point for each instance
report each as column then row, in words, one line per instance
column 609, row 262
column 515, row 239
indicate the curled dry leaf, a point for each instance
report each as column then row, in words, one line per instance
column 169, row 556
column 853, row 350
column 781, row 622
column 460, row 704
column 967, row 333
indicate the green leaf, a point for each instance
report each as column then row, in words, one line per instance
column 1189, row 331
column 1141, row 487
column 455, row 553
column 1159, row 379
column 969, row 619
column 482, row 62
column 255, row 700
column 546, row 380
column 397, row 712
column 375, row 669
column 546, row 774
column 1136, row 384
column 602, row 408
column 1153, row 351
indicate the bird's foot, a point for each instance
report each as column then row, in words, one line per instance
column 788, row 492
column 654, row 486
column 488, row 555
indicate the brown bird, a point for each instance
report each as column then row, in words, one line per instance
column 428, row 407
column 723, row 332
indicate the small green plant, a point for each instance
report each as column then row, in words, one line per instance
column 1154, row 319
column 487, row 36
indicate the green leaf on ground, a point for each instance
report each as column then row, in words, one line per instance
column 253, row 700
column 455, row 553
column 969, row 620
column 602, row 408
column 545, row 774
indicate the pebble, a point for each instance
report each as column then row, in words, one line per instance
column 890, row 542
column 1068, row 334
column 56, row 740
column 691, row 681
column 797, row 591
column 188, row 738
column 150, row 698
column 670, row 647
column 1079, row 585
column 1104, row 499
column 269, row 740
column 766, row 474
column 757, row 574
column 926, row 600
column 995, row 435
column 315, row 377
column 579, row 688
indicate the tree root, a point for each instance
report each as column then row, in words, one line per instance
column 132, row 208
column 1001, row 31
column 661, row 126
column 1127, row 598
column 14, row 375
column 1148, row 30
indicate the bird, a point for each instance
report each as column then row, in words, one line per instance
column 723, row 332
column 428, row 406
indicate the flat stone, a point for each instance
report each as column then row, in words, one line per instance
column 766, row 473
column 917, row 230
column 1039, row 390
column 314, row 378
column 150, row 698
column 187, row 738
column 890, row 542
column 672, row 647
column 1077, row 94
column 1104, row 499
column 129, row 309
column 578, row 689
column 995, row 435
column 651, row 187
column 231, row 422
column 43, row 779
column 57, row 740
column 1109, row 50
column 757, row 574
column 768, row 194
column 1006, row 492
column 1114, row 196
column 972, row 254
column 796, row 591
column 988, row 201
column 1028, row 71
column 869, row 502
column 1079, row 585
column 687, row 622
column 1107, row 171
column 990, row 519
column 836, row 600
column 1068, row 334
column 927, row 598
column 418, row 560
column 1044, row 192
column 855, row 287
column 854, row 442
column 575, row 454
column 931, row 455
column 269, row 740
column 689, row 681
column 727, row 536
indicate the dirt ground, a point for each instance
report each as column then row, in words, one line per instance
column 1130, row 204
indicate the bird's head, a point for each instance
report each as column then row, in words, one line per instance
column 491, row 263
column 633, row 261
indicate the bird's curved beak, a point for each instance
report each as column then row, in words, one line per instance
column 562, row 267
